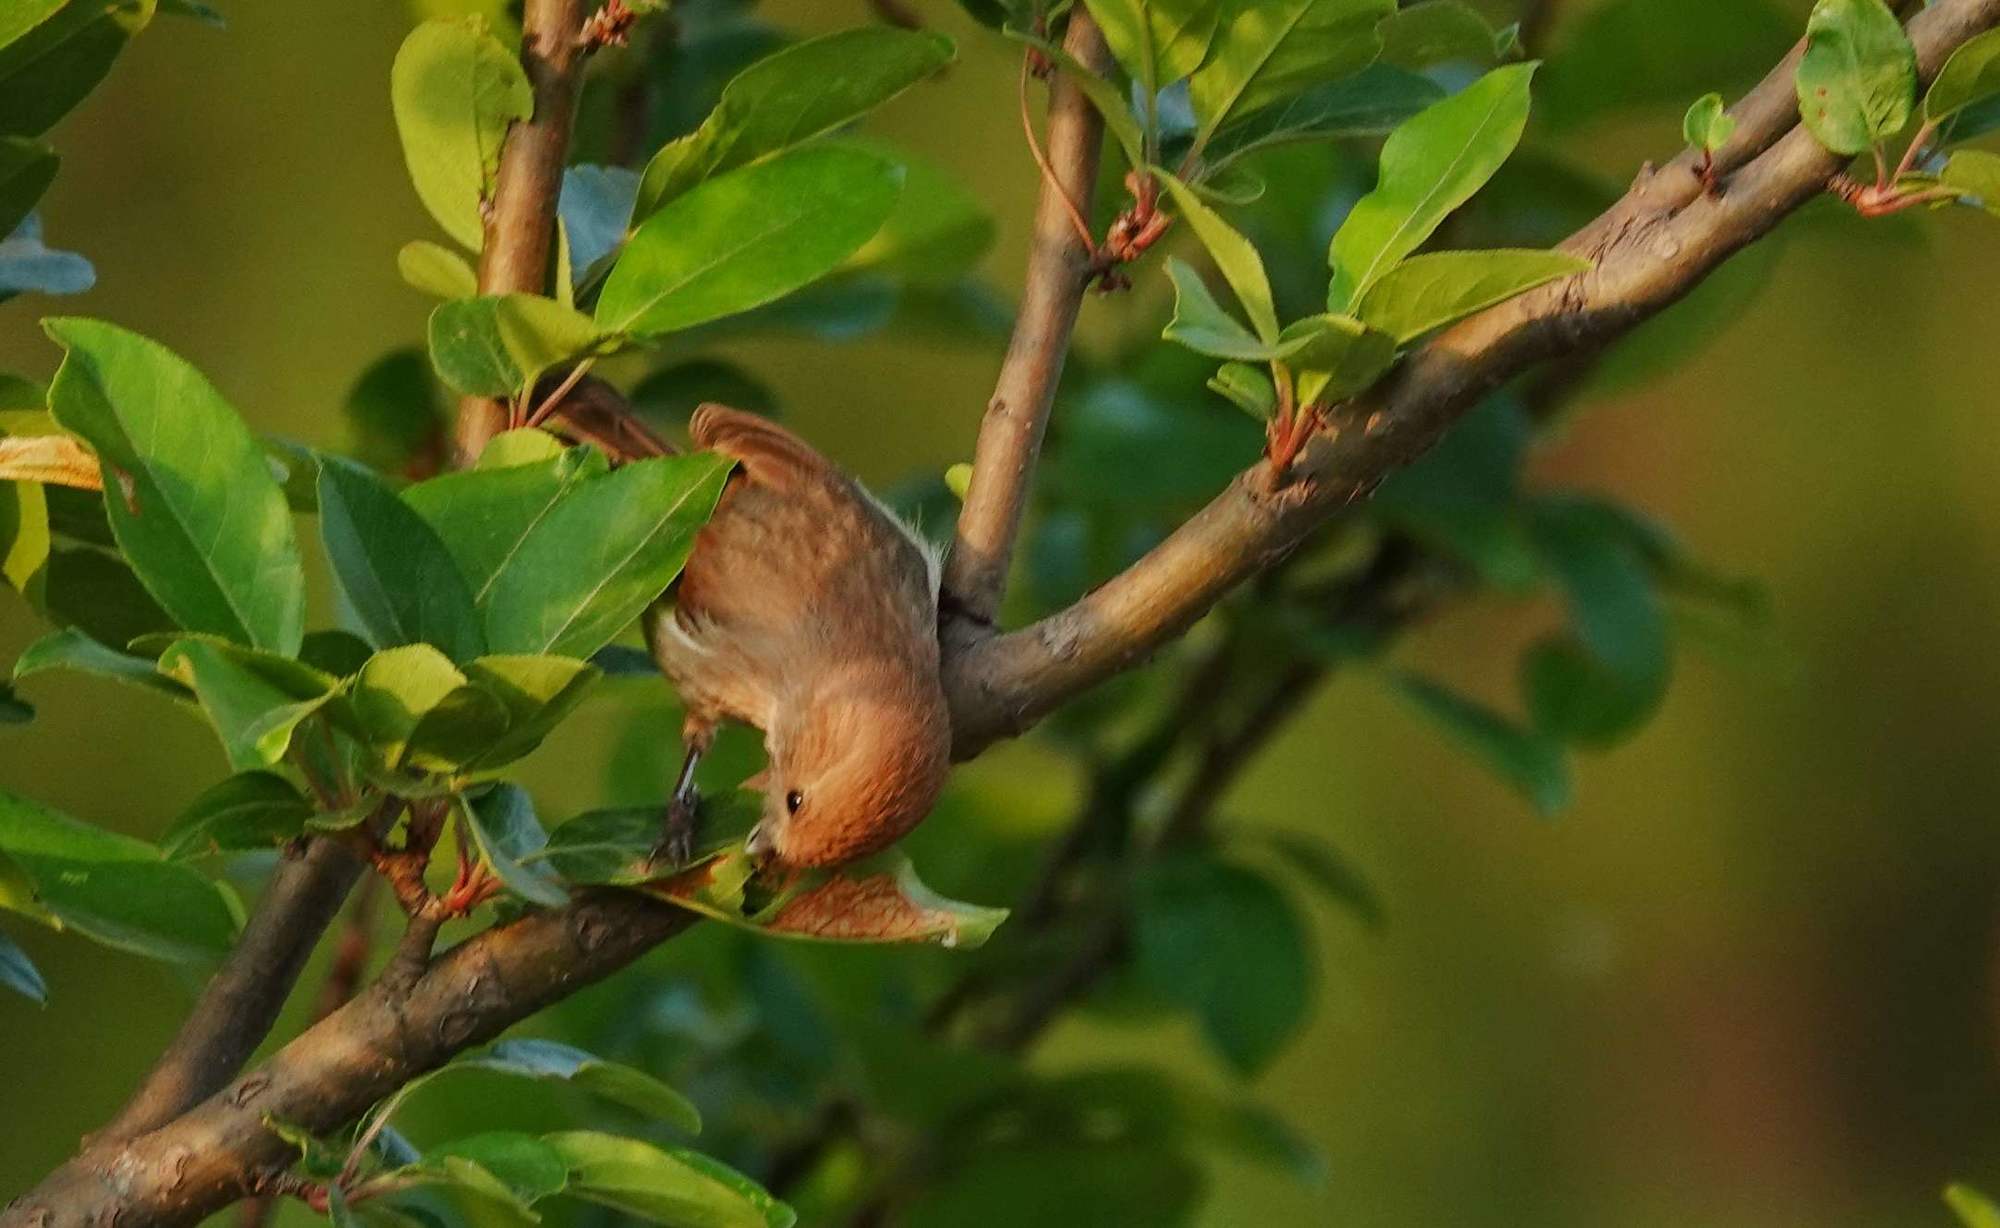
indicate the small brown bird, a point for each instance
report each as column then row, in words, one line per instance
column 809, row 611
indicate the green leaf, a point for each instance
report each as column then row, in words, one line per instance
column 1221, row 941
column 1266, row 51
column 392, row 567
column 609, row 846
column 1201, row 324
column 1157, row 41
column 194, row 506
column 254, row 699
column 26, row 170
column 415, row 710
column 620, row 1084
column 1461, row 499
column 395, row 418
column 1015, row 1180
column 250, row 810
column 514, row 1169
column 70, row 648
column 1427, row 292
column 1857, row 82
column 537, row 692
column 1527, row 761
column 1335, row 356
column 749, row 237
column 1234, row 256
column 1246, row 387
column 21, row 16
column 1370, row 103
column 18, row 973
column 455, row 88
column 1970, row 76
column 1974, row 1209
column 1110, row 101
column 436, row 270
column 1708, row 124
column 109, row 888
column 1975, row 175
column 937, row 232
column 1430, row 166
column 485, row 514
column 523, row 445
column 1432, row 32
column 664, row 1185
column 194, row 10
column 504, row 829
column 601, row 555
column 789, row 97
column 52, row 66
column 499, row 344
column 1327, row 872
column 595, row 206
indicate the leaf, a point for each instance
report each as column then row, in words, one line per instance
column 110, row 888
column 514, row 1169
column 1432, row 32
column 499, row 344
column 1974, row 1209
column 620, row 1084
column 455, row 88
column 1369, row 103
column 504, row 829
column 72, row 649
column 1461, row 499
column 1857, row 82
column 26, row 170
column 1975, row 175
column 95, row 592
column 1246, row 387
column 436, row 270
column 21, row 16
column 1427, row 292
column 1708, row 125
column 395, row 419
column 1529, row 762
column 26, row 264
column 1266, row 51
column 1327, row 872
column 601, row 555
column 18, row 973
column 595, row 205
column 1110, row 101
column 194, row 10
column 416, row 711
column 664, row 1185
column 1157, row 41
column 1430, row 166
column 250, row 810
column 1201, row 324
column 254, row 699
column 1970, row 76
column 1335, row 356
column 58, row 460
column 537, row 692
column 392, row 567
column 1221, row 941
column 484, row 515
column 937, row 232
column 54, row 65
column 1625, row 54
column 197, row 512
column 789, row 97
column 747, row 238
column 1234, row 256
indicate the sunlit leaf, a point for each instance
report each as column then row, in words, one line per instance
column 52, row 65
column 1427, row 292
column 1266, row 51
column 1527, row 761
column 455, row 88
column 485, row 514
column 1858, row 80
column 250, row 810
column 1234, row 255
column 664, row 1185
column 1708, row 125
column 436, row 270
column 256, row 700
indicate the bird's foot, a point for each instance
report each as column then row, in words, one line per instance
column 677, row 832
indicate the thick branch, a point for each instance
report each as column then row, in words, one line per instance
column 521, row 225
column 1010, row 436
column 1650, row 249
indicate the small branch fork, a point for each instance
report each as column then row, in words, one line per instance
column 194, row 1139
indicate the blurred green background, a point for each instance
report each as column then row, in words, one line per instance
column 1747, row 980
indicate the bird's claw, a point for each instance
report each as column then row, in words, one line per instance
column 676, row 845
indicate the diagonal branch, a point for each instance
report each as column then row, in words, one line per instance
column 1010, row 436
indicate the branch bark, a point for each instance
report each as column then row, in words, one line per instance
column 521, row 226
column 1010, row 435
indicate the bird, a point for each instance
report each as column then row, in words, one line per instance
column 809, row 611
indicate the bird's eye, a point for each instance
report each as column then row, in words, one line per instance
column 793, row 801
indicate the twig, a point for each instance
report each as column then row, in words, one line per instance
column 1010, row 436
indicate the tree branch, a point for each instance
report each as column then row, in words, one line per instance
column 1650, row 249
column 521, row 225
column 1010, row 436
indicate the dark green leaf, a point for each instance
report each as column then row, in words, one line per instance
column 503, row 826
column 22, row 16
column 1427, row 292
column 392, row 566
column 1201, row 324
column 485, row 514
column 607, row 846
column 1326, row 871
column 26, row 170
column 499, row 344
column 586, row 570
column 1223, row 942
column 1432, row 32
column 1858, row 80
column 1266, row 51
column 255, row 700
column 595, row 205
column 395, row 419
column 664, row 1185
column 1970, row 76
column 1026, row 1181
column 195, row 508
column 455, row 88
column 109, row 888
column 937, row 232
column 1460, row 498
column 18, row 973
column 340, row 653
column 620, row 1084
column 1369, row 103
column 250, row 810
column 194, row 10
column 746, row 238
column 50, row 67
column 789, row 97
column 1430, row 166
column 70, row 648
column 1527, row 761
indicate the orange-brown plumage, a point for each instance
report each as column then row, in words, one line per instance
column 808, row 611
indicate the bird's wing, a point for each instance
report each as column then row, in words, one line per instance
column 771, row 455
